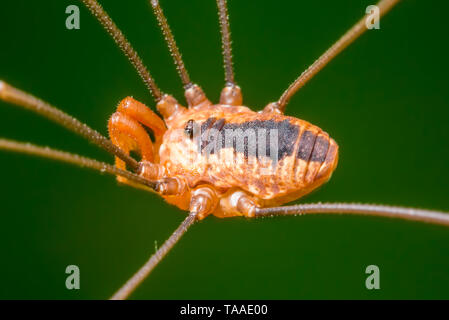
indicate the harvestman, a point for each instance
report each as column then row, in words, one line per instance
column 230, row 96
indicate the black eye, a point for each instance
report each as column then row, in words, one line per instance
column 188, row 129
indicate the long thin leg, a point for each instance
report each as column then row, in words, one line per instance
column 15, row 96
column 435, row 217
column 231, row 93
column 96, row 9
column 356, row 31
column 226, row 41
column 170, row 39
column 194, row 94
column 202, row 203
column 28, row 148
column 154, row 260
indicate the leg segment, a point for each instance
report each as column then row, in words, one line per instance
column 204, row 200
column 169, row 108
column 272, row 107
column 237, row 203
column 196, row 98
column 231, row 95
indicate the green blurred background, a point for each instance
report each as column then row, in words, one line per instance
column 385, row 100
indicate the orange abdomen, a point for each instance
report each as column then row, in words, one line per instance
column 273, row 157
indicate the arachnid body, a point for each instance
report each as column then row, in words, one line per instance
column 180, row 158
column 216, row 151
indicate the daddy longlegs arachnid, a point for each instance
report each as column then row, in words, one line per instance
column 201, row 199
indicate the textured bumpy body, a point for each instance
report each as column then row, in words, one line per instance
column 274, row 157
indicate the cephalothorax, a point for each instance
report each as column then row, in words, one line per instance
column 222, row 159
